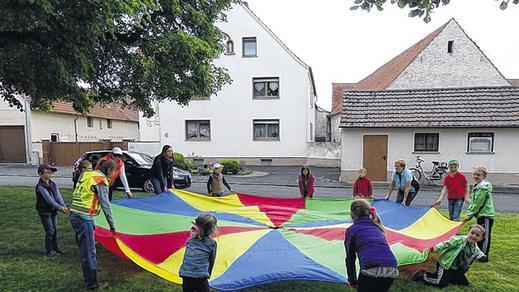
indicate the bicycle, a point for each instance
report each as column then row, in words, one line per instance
column 435, row 176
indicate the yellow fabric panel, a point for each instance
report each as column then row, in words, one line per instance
column 230, row 247
column 225, row 204
column 157, row 270
column 430, row 225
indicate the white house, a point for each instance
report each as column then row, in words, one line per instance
column 22, row 133
column 442, row 98
column 267, row 114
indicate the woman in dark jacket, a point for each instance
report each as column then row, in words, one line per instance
column 162, row 170
column 366, row 239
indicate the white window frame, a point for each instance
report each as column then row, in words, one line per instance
column 90, row 122
column 266, row 81
column 475, row 137
column 422, row 133
column 249, row 39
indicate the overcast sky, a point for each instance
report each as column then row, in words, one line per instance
column 345, row 46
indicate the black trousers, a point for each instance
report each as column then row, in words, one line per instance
column 372, row 284
column 487, row 223
column 443, row 278
column 410, row 197
column 195, row 284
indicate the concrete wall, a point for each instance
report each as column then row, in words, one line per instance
column 434, row 67
column 10, row 116
column 322, row 125
column 503, row 163
column 335, row 121
column 232, row 111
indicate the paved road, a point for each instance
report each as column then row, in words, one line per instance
column 280, row 182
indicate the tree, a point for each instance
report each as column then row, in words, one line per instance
column 102, row 51
column 417, row 7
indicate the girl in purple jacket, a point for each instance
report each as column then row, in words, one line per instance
column 366, row 239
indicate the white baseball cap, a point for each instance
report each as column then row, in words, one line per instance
column 217, row 165
column 117, row 151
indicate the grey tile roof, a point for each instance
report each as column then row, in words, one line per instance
column 436, row 108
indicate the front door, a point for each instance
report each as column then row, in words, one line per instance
column 374, row 157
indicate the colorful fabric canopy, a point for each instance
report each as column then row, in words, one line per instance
column 262, row 239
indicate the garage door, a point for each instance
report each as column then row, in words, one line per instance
column 12, row 144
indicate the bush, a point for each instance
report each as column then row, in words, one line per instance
column 180, row 161
column 231, row 165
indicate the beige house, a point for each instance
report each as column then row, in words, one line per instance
column 442, row 98
column 22, row 133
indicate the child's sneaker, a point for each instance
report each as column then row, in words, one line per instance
column 50, row 254
column 418, row 276
column 483, row 259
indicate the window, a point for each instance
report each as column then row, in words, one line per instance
column 229, row 48
column 480, row 143
column 90, row 122
column 200, row 97
column 266, row 130
column 54, row 137
column 311, row 132
column 108, row 123
column 249, row 47
column 426, row 142
column 100, row 124
column 266, row 88
column 449, row 46
column 198, row 130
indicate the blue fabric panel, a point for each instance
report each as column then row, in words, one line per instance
column 395, row 216
column 285, row 262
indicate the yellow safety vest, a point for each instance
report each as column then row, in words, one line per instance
column 84, row 198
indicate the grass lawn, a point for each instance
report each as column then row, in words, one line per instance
column 23, row 267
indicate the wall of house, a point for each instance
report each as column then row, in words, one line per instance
column 232, row 111
column 503, row 164
column 10, row 116
column 335, row 135
column 44, row 124
column 434, row 67
column 322, row 126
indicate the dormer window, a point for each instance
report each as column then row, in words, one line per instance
column 229, row 47
column 449, row 46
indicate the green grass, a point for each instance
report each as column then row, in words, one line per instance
column 23, row 267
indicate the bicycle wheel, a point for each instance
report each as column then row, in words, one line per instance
column 437, row 180
column 417, row 173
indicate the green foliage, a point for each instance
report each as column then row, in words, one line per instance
column 22, row 262
column 417, row 7
column 231, row 165
column 102, row 51
column 180, row 160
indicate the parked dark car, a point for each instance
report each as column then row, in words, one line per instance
column 137, row 166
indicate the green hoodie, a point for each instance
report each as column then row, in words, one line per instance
column 451, row 248
column 481, row 204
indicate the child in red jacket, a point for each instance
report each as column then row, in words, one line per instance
column 306, row 182
column 362, row 187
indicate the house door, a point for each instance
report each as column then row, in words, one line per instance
column 374, row 157
column 12, row 144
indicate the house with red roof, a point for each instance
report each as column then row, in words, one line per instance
column 22, row 133
column 442, row 98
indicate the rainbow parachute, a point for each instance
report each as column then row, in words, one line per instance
column 262, row 239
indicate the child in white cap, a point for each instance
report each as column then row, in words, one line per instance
column 216, row 182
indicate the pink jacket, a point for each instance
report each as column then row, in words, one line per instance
column 306, row 188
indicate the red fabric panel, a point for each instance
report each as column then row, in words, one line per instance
column 104, row 236
column 156, row 247
column 392, row 237
column 279, row 210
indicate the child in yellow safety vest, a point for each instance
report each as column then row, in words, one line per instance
column 88, row 198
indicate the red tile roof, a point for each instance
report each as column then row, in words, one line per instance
column 385, row 75
column 514, row 82
column 338, row 96
column 109, row 111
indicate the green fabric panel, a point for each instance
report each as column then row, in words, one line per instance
column 330, row 206
column 330, row 254
column 134, row 221
column 407, row 256
column 307, row 216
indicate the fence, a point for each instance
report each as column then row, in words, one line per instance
column 67, row 153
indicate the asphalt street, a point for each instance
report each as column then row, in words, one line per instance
column 279, row 182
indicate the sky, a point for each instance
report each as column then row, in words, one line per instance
column 345, row 46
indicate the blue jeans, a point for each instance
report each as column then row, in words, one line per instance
column 455, row 206
column 158, row 186
column 50, row 226
column 84, row 232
